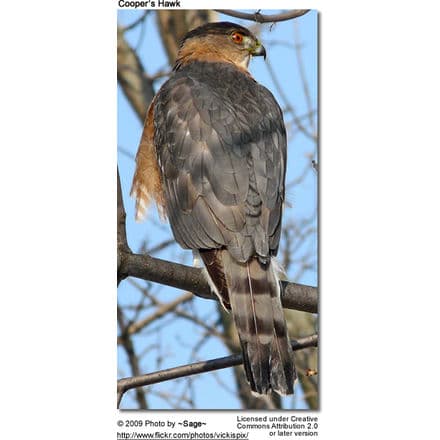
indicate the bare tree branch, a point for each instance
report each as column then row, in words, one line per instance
column 122, row 245
column 131, row 76
column 128, row 383
column 294, row 296
column 261, row 18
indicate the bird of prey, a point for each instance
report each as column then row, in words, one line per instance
column 213, row 157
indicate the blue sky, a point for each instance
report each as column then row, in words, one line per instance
column 176, row 339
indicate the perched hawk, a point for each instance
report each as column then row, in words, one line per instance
column 213, row 156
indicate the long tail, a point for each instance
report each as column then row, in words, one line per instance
column 252, row 291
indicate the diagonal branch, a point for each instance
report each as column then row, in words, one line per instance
column 128, row 383
column 294, row 296
column 262, row 18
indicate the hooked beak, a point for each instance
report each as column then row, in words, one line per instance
column 259, row 50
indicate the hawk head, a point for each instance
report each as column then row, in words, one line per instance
column 220, row 42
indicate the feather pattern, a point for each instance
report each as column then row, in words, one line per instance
column 252, row 291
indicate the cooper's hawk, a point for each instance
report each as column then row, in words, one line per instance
column 213, row 156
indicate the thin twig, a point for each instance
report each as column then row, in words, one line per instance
column 158, row 313
column 136, row 22
column 289, row 106
column 299, row 179
column 132, row 358
column 302, row 74
column 161, row 246
column 262, row 18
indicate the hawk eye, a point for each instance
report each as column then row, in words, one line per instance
column 237, row 37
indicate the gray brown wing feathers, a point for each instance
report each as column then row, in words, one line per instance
column 221, row 147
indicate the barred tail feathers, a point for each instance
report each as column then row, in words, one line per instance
column 253, row 294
